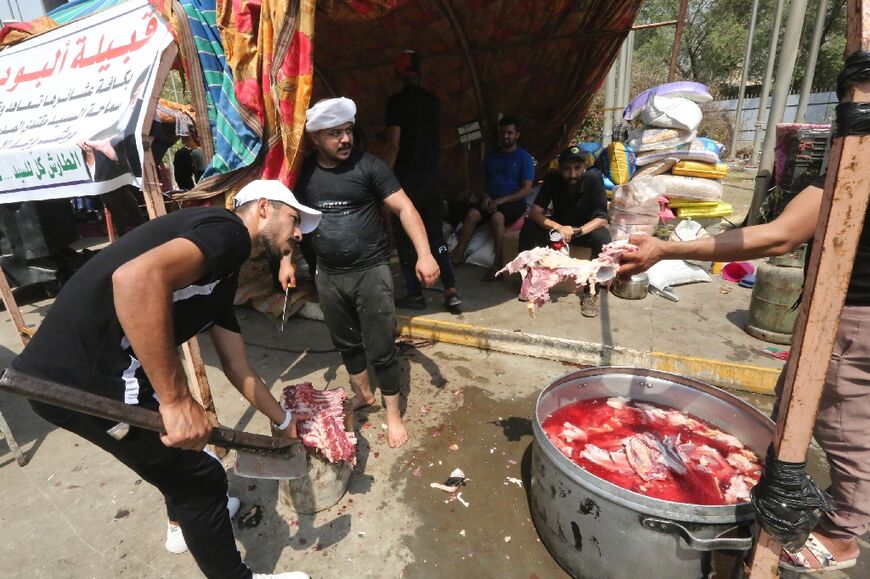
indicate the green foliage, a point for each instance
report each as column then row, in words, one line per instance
column 714, row 43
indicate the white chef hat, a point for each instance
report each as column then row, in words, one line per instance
column 276, row 191
column 330, row 113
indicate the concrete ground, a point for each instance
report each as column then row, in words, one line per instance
column 73, row 511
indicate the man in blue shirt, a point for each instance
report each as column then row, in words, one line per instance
column 508, row 172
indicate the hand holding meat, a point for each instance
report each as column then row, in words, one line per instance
column 186, row 424
column 648, row 253
column 427, row 270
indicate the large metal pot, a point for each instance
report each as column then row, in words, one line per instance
column 596, row 529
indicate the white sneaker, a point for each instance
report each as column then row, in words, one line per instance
column 174, row 539
column 175, row 542
column 233, row 505
column 288, row 575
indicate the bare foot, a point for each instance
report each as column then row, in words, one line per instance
column 361, row 401
column 397, row 434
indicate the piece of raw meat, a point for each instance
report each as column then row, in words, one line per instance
column 645, row 456
column 614, row 461
column 541, row 268
column 571, row 433
column 320, row 422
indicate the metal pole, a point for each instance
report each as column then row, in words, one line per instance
column 620, row 82
column 678, row 36
column 609, row 100
column 812, row 56
column 629, row 57
column 784, row 73
column 738, row 114
column 765, row 85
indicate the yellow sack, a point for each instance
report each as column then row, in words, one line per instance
column 700, row 169
column 720, row 210
column 617, row 162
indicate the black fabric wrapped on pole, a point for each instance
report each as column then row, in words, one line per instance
column 856, row 69
column 787, row 501
column 852, row 119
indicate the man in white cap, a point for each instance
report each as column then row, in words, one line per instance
column 114, row 330
column 353, row 277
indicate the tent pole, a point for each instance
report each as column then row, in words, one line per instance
column 609, row 103
column 678, row 37
column 782, row 86
column 741, row 93
column 844, row 207
column 765, row 84
column 812, row 56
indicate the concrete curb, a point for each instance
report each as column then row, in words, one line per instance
column 726, row 374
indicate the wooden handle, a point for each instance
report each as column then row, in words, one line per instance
column 91, row 404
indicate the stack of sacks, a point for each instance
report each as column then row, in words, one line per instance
column 682, row 166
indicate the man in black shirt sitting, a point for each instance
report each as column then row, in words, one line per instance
column 579, row 212
column 114, row 331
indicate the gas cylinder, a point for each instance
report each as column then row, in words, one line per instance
column 778, row 285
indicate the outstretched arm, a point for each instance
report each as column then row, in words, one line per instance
column 142, row 290
column 794, row 226
column 234, row 362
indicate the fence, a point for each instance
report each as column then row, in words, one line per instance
column 820, row 109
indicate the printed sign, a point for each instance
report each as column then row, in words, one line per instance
column 71, row 104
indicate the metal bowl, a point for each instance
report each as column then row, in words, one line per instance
column 635, row 288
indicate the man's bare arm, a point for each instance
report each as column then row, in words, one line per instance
column 230, row 348
column 794, row 226
column 142, row 291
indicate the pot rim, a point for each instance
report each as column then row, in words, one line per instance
column 629, row 499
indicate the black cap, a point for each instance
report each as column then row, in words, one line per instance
column 573, row 152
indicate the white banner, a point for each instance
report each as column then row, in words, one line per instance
column 71, row 104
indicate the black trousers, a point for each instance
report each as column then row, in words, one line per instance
column 533, row 235
column 193, row 483
column 429, row 204
column 359, row 311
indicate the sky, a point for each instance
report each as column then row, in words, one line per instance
column 20, row 9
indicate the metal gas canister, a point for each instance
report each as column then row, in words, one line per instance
column 778, row 284
column 557, row 242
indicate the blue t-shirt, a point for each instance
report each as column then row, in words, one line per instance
column 505, row 172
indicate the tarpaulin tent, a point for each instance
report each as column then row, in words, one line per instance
column 255, row 65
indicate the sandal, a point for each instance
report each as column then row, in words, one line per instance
column 798, row 563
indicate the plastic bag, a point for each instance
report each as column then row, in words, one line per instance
column 634, row 209
column 691, row 188
column 671, row 113
column 694, row 91
column 650, row 139
column 674, row 272
column 787, row 501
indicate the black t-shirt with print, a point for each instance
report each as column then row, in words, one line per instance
column 351, row 235
column 81, row 343
column 574, row 208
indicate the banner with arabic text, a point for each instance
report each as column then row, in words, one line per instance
column 71, row 104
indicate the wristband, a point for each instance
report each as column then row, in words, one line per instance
column 288, row 416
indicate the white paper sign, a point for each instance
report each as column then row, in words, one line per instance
column 71, row 104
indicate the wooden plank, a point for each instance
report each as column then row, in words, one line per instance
column 844, row 206
column 197, row 379
column 24, row 332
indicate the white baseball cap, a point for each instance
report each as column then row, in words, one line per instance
column 276, row 191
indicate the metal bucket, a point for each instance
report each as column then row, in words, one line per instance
column 598, row 530
column 321, row 488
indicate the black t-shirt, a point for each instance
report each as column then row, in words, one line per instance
column 416, row 112
column 351, row 234
column 574, row 208
column 858, row 293
column 81, row 343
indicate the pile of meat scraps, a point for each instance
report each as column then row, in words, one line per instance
column 320, row 422
column 542, row 268
column 654, row 450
